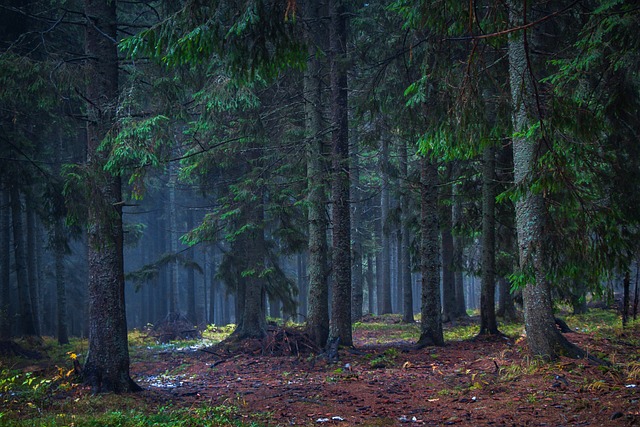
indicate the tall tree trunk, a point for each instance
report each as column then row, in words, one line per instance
column 172, row 212
column 318, row 269
column 356, row 233
column 543, row 337
column 340, row 322
column 385, row 261
column 61, row 289
column 107, row 364
column 192, row 314
column 32, row 261
column 488, row 322
column 371, row 284
column 626, row 289
column 251, row 315
column 458, row 249
column 448, row 278
column 431, row 323
column 27, row 322
column 303, row 287
column 5, row 265
column 405, row 239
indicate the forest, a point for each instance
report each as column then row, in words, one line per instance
column 410, row 187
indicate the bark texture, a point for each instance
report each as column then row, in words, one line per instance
column 318, row 269
column 405, row 239
column 106, row 367
column 488, row 322
column 431, row 323
column 340, row 322
column 544, row 338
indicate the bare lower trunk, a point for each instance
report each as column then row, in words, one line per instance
column 488, row 322
column 431, row 323
column 405, row 240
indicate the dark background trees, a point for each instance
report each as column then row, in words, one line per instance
column 314, row 160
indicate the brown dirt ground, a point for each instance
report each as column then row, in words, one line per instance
column 468, row 383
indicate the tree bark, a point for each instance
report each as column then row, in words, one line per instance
column 173, row 297
column 32, row 261
column 448, row 278
column 5, row 266
column 544, row 338
column 61, row 289
column 431, row 323
column 385, row 256
column 405, row 239
column 458, row 249
column 318, row 269
column 488, row 321
column 340, row 322
column 106, row 367
column 27, row 322
column 357, row 282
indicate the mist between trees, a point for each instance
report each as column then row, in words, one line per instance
column 226, row 162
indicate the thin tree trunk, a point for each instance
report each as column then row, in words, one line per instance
column 371, row 284
column 626, row 289
column 405, row 239
column 431, row 323
column 488, row 321
column 356, row 233
column 172, row 213
column 458, row 247
column 27, row 323
column 61, row 289
column 448, row 278
column 32, row 262
column 5, row 265
column 340, row 321
column 385, row 264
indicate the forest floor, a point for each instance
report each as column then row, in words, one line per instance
column 382, row 381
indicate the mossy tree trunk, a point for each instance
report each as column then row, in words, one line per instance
column 544, row 338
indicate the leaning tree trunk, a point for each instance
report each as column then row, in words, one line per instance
column 543, row 336
column 318, row 270
column 488, row 322
column 106, row 367
column 340, row 322
column 431, row 323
